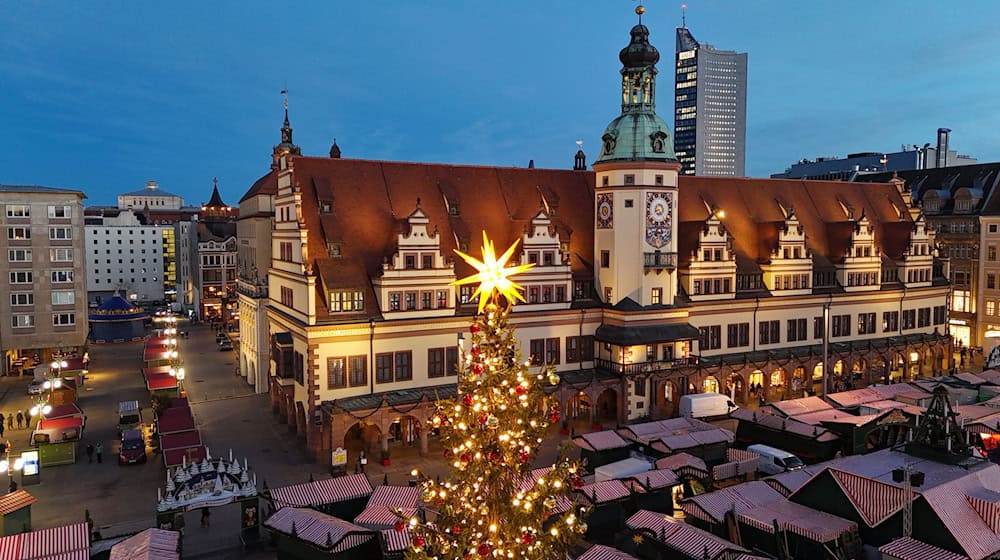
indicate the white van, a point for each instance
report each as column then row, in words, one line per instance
column 774, row 460
column 703, row 405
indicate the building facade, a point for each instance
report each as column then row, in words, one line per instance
column 253, row 259
column 150, row 197
column 648, row 284
column 710, row 108
column 44, row 307
column 127, row 257
column 216, row 274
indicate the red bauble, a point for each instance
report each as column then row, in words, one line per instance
column 554, row 417
column 465, row 458
column 520, row 390
column 576, row 482
column 527, row 538
column 483, row 418
column 400, row 526
column 467, row 399
column 447, row 453
column 456, row 530
column 477, row 368
column 484, row 549
column 473, row 328
column 524, row 456
column 418, row 541
column 495, row 456
column 475, row 351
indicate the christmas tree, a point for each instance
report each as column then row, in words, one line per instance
column 494, row 505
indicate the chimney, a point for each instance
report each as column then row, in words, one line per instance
column 942, row 147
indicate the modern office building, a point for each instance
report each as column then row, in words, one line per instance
column 710, row 108
column 126, row 256
column 910, row 158
column 648, row 286
column 44, row 306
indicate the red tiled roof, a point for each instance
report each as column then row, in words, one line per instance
column 266, row 185
column 14, row 501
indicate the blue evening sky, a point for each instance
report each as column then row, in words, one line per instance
column 103, row 96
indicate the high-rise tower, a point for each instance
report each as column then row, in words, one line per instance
column 636, row 192
column 710, row 108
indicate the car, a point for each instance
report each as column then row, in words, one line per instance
column 36, row 387
column 225, row 345
column 133, row 448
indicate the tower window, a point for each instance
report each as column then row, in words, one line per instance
column 630, row 179
column 659, row 180
column 629, row 203
column 604, row 181
column 605, row 259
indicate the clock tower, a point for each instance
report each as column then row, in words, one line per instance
column 635, row 226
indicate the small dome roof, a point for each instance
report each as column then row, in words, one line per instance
column 639, row 52
column 638, row 136
column 116, row 303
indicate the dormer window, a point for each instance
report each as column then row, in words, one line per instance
column 333, row 248
column 427, row 261
column 347, row 300
column 410, row 262
column 325, row 207
column 548, row 258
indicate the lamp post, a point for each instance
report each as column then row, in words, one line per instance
column 826, row 345
column 58, row 366
column 178, row 373
column 9, row 468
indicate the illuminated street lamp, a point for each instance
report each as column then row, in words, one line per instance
column 178, row 373
column 9, row 468
column 58, row 366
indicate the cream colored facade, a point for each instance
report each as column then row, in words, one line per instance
column 253, row 257
column 44, row 302
column 988, row 296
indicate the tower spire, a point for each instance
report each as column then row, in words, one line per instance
column 287, row 146
column 684, row 8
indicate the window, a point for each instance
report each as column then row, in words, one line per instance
column 61, row 255
column 910, row 319
column 770, row 332
column 425, row 300
column 993, row 228
column 841, row 325
column 552, row 351
column 710, row 338
column 572, row 349
column 818, row 327
column 537, row 351
column 63, row 298
column 605, row 259
column 658, row 180
column 383, row 367
column 607, row 295
column 411, row 301
column 22, row 298
column 640, row 388
column 404, row 365
column 19, row 255
column 335, row 377
column 630, row 179
column 18, row 211
column 285, row 249
column 923, row 317
column 427, row 261
column 656, row 296
column 357, row 368
column 560, row 293
column 63, row 319
column 940, row 313
column 347, row 300
column 737, row 334
column 629, row 203
column 21, row 277
column 19, row 321
column 890, row 321
column 991, row 253
column 435, row 362
column 991, row 307
column 465, row 294
column 991, row 281
column 394, row 299
column 451, row 361
column 60, row 211
column 442, row 299
column 796, row 330
column 18, row 233
column 866, row 323
column 287, row 297
column 57, row 233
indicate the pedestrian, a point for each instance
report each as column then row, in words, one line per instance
column 205, row 517
column 90, row 452
column 1, row 426
column 363, row 461
column 20, row 419
column 99, row 451
column 13, row 486
column 10, row 421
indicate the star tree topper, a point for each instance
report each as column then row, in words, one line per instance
column 493, row 276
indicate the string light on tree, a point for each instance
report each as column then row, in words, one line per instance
column 494, row 505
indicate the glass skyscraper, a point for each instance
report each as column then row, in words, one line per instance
column 710, row 108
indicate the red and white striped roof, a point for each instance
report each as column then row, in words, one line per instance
column 395, row 496
column 741, row 498
column 804, row 405
column 600, row 441
column 678, row 460
column 601, row 552
column 44, row 543
column 151, row 544
column 854, row 397
column 652, row 480
column 812, row 524
column 987, row 505
column 394, row 541
column 10, row 547
column 381, row 517
column 648, row 432
column 319, row 528
column 680, row 536
column 950, row 502
column 874, row 500
column 604, row 491
column 320, row 492
column 907, row 548
column 679, row 442
column 788, row 482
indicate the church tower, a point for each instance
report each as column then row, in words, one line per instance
column 635, row 228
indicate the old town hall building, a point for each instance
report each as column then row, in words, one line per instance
column 647, row 285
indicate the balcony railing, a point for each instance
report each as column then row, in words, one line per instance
column 642, row 368
column 660, row 260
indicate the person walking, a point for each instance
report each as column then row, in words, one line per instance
column 90, row 452
column 205, row 521
column 1, row 426
column 20, row 419
column 99, row 450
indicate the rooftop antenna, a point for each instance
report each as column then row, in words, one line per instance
column 684, row 8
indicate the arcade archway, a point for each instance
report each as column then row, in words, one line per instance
column 607, row 406
column 710, row 385
column 363, row 437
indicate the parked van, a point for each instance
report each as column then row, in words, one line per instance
column 774, row 460
column 703, row 405
column 129, row 415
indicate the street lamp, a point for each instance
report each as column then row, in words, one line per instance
column 178, row 373
column 58, row 366
column 9, row 468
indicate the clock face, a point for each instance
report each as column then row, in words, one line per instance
column 658, row 209
column 605, row 211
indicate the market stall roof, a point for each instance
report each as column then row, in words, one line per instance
column 60, row 423
column 70, row 542
column 804, row 405
column 180, row 421
column 648, row 432
column 651, row 481
column 178, row 440
column 789, row 481
column 14, row 501
column 393, row 541
column 64, row 410
column 382, row 517
column 156, row 341
column 321, row 492
column 326, row 532
column 693, row 440
column 855, row 397
column 160, row 382
column 151, row 544
column 838, row 416
column 788, row 425
column 906, row 548
column 684, row 464
column 174, row 457
column 600, row 441
column 680, row 536
column 603, row 492
column 151, row 353
column 711, row 507
column 156, row 370
column 601, row 552
column 395, row 496
column 804, row 521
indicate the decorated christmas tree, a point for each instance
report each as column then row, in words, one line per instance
column 494, row 505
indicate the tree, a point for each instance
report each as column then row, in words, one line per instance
column 494, row 505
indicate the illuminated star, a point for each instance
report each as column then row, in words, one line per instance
column 493, row 276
